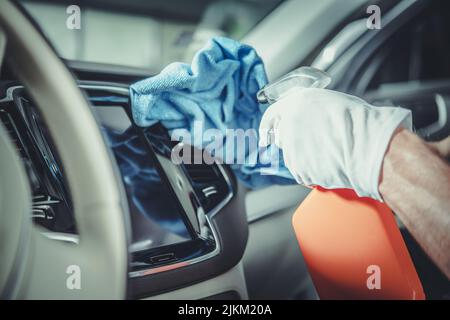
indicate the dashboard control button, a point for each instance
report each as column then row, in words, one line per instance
column 162, row 258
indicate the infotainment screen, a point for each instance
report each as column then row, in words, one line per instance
column 157, row 219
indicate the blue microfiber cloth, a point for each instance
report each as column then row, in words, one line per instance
column 218, row 90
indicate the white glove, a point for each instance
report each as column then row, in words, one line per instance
column 332, row 139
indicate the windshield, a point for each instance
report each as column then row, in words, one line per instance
column 146, row 34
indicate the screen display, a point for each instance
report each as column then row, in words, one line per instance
column 156, row 218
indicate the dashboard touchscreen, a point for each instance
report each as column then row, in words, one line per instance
column 156, row 218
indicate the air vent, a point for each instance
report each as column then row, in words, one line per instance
column 12, row 132
column 48, row 207
column 210, row 184
column 201, row 173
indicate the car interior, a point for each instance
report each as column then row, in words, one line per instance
column 71, row 193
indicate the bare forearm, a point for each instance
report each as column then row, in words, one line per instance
column 415, row 184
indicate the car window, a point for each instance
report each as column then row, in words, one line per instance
column 146, row 34
column 419, row 51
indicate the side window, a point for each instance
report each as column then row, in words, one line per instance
column 418, row 51
column 411, row 69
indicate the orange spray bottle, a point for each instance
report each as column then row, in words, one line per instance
column 352, row 246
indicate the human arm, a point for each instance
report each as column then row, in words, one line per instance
column 415, row 183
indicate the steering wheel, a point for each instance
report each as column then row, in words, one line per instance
column 32, row 265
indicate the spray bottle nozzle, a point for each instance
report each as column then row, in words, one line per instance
column 303, row 77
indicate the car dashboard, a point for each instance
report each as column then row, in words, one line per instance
column 187, row 221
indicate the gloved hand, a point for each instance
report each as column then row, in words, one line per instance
column 332, row 139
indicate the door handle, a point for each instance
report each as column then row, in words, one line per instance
column 441, row 127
